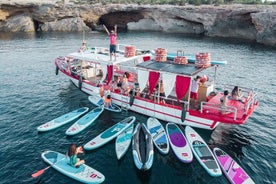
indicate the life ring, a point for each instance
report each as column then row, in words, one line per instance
column 57, row 70
column 80, row 82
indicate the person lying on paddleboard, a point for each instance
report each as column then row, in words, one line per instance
column 73, row 152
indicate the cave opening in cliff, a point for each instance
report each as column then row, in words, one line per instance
column 121, row 18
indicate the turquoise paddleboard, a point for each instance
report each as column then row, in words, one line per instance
column 62, row 120
column 84, row 173
column 84, row 121
column 110, row 133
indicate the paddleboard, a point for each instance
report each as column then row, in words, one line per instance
column 191, row 59
column 233, row 171
column 110, row 133
column 202, row 152
column 123, row 141
column 84, row 121
column 178, row 143
column 159, row 136
column 142, row 147
column 84, row 173
column 98, row 101
column 62, row 120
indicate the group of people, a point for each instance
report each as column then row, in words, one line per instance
column 235, row 94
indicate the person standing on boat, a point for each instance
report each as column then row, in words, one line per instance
column 113, row 41
column 194, row 89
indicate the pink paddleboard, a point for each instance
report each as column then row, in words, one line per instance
column 231, row 168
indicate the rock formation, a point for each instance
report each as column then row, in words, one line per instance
column 250, row 22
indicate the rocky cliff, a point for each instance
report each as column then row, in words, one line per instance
column 251, row 22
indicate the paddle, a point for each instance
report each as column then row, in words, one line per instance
column 40, row 172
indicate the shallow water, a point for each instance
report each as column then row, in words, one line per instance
column 31, row 94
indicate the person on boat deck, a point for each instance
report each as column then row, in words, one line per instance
column 194, row 90
column 223, row 102
column 83, row 46
column 236, row 93
column 125, row 85
column 107, row 101
column 113, row 41
column 162, row 92
column 101, row 90
column 73, row 152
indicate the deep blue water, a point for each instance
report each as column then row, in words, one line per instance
column 31, row 94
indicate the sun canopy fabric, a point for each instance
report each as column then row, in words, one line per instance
column 104, row 70
column 143, row 76
column 153, row 80
column 182, row 85
column 168, row 83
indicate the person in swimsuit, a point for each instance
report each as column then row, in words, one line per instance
column 107, row 101
column 113, row 41
column 236, row 93
column 73, row 152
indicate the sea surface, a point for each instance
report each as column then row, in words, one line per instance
column 31, row 94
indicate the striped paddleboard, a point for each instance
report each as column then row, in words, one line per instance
column 233, row 171
column 159, row 136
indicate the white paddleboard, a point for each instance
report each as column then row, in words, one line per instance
column 62, row 120
column 179, row 144
column 84, row 121
column 109, row 134
column 84, row 173
column 159, row 136
column 123, row 141
column 202, row 152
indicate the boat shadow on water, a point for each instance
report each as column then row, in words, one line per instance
column 232, row 139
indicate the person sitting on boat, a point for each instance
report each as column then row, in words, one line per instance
column 73, row 152
column 236, row 93
column 194, row 90
column 113, row 41
column 223, row 102
column 107, row 101
column 125, row 85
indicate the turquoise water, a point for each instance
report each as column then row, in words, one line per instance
column 31, row 94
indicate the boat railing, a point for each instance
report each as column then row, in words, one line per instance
column 224, row 109
column 250, row 100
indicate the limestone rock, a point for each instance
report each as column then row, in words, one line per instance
column 251, row 22
column 70, row 24
column 19, row 23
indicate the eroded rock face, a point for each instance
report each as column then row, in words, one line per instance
column 18, row 23
column 257, row 23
